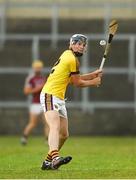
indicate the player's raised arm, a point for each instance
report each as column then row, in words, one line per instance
column 78, row 81
column 92, row 75
column 31, row 90
column 78, row 45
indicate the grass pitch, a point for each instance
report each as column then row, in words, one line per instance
column 93, row 157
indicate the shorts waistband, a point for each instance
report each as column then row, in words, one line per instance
column 54, row 97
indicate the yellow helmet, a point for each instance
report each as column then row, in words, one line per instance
column 37, row 63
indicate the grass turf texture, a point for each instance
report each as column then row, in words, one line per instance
column 93, row 157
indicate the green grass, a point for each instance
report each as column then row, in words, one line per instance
column 93, row 157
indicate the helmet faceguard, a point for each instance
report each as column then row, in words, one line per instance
column 78, row 38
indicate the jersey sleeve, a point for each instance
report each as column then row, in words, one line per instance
column 74, row 66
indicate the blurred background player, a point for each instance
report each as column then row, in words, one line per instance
column 33, row 85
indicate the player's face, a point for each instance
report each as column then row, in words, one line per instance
column 37, row 70
column 79, row 47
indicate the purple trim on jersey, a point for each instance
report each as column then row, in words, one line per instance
column 77, row 72
column 46, row 109
column 48, row 102
column 51, row 102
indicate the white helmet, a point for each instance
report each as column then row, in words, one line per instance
column 78, row 38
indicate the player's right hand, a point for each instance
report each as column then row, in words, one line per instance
column 97, row 81
column 98, row 72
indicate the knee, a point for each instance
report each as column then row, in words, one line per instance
column 54, row 128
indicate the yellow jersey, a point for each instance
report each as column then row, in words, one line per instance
column 59, row 77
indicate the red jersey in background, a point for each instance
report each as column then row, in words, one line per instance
column 34, row 81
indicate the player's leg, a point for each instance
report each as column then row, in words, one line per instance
column 33, row 120
column 58, row 130
column 64, row 134
column 46, row 127
column 56, row 139
column 32, row 124
column 53, row 121
column 52, row 116
column 46, row 130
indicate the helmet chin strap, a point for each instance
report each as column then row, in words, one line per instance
column 78, row 54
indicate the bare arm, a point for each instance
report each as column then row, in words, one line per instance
column 30, row 90
column 92, row 75
column 79, row 82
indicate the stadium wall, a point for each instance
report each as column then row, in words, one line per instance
column 43, row 8
column 18, row 54
column 102, row 122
